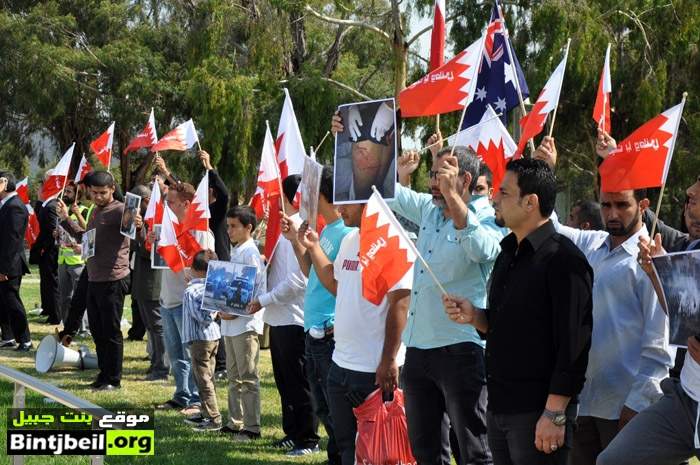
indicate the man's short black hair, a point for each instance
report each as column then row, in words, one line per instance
column 244, row 214
column 485, row 171
column 290, row 185
column 11, row 181
column 640, row 194
column 326, row 187
column 589, row 212
column 467, row 162
column 536, row 177
column 101, row 179
column 201, row 259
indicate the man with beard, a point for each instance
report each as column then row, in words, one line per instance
column 666, row 432
column 629, row 353
column 444, row 368
column 108, row 271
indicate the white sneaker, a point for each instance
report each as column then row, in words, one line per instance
column 301, row 451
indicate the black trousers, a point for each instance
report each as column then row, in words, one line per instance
column 48, row 285
column 447, row 379
column 319, row 353
column 78, row 304
column 138, row 328
column 13, row 318
column 344, row 385
column 149, row 311
column 105, row 302
column 287, row 349
column 220, row 354
column 512, row 439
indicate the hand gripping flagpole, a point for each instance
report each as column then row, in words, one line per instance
column 515, row 71
column 554, row 113
column 663, row 185
column 408, row 241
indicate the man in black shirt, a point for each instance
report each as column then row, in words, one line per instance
column 538, row 324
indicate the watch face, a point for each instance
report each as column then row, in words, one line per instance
column 559, row 420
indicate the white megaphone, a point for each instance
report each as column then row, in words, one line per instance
column 51, row 354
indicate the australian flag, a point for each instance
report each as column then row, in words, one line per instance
column 495, row 84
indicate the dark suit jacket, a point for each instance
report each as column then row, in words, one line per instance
column 13, row 224
column 48, row 219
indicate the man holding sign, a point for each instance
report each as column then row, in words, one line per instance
column 107, row 273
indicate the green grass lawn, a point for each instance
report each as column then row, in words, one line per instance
column 175, row 443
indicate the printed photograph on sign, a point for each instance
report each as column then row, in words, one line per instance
column 157, row 262
column 679, row 275
column 132, row 202
column 309, row 187
column 229, row 287
column 88, row 244
column 365, row 152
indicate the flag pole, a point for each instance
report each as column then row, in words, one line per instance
column 663, row 185
column 515, row 72
column 415, row 251
column 437, row 123
column 554, row 112
column 322, row 141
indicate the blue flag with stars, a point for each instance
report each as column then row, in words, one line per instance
column 495, row 83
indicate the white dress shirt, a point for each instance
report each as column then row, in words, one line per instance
column 284, row 301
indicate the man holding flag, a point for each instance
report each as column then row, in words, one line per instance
column 173, row 283
column 368, row 350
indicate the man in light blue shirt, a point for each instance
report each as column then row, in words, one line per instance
column 629, row 353
column 444, row 368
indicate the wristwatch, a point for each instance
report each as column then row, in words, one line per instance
column 558, row 418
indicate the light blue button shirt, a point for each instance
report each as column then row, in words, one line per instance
column 629, row 353
column 462, row 260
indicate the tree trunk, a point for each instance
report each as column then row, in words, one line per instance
column 296, row 19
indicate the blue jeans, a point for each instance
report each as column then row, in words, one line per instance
column 186, row 393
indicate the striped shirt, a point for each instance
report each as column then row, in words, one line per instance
column 197, row 324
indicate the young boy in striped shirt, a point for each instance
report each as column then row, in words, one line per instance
column 202, row 334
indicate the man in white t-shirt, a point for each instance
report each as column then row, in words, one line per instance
column 368, row 350
column 241, row 334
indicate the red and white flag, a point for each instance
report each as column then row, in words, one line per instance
column 56, row 181
column 144, row 139
column 177, row 250
column 197, row 216
column 181, row 138
column 601, row 110
column 386, row 252
column 102, row 146
column 642, row 160
column 22, row 189
column 83, row 169
column 437, row 37
column 448, row 88
column 32, row 232
column 533, row 123
column 267, row 197
column 288, row 145
column 492, row 143
column 154, row 209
